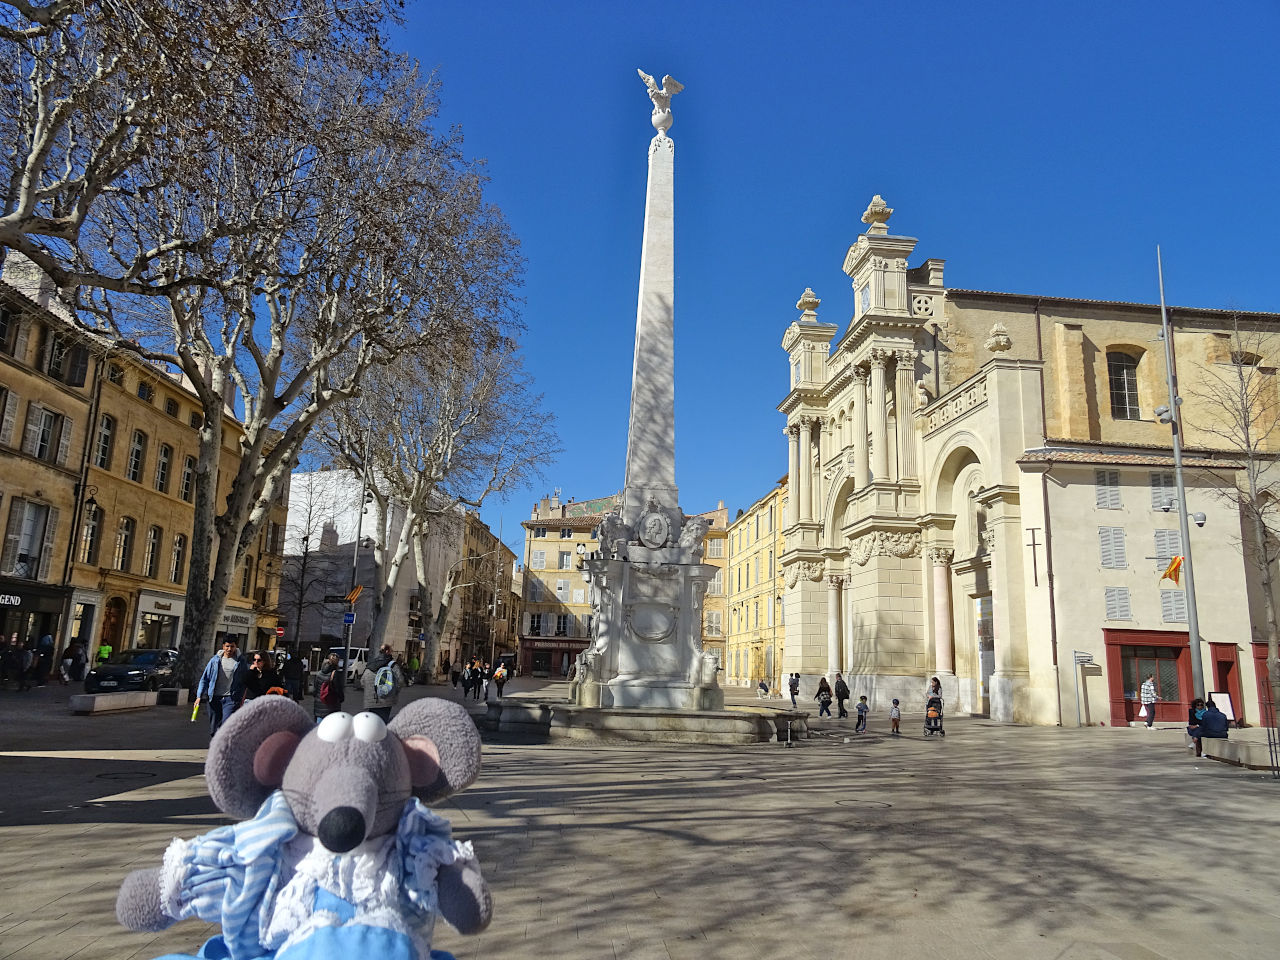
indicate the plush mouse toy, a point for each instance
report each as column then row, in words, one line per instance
column 340, row 858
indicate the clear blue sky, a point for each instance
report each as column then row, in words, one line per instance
column 1037, row 148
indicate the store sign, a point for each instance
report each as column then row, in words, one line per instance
column 165, row 606
column 236, row 618
column 10, row 600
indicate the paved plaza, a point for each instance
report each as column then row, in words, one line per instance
column 999, row 841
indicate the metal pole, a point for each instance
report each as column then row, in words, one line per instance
column 349, row 628
column 1076, row 668
column 1175, row 413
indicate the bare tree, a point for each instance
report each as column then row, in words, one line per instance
column 1237, row 402
column 310, row 571
column 446, row 431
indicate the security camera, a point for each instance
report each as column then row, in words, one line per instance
column 1166, row 507
column 1199, row 518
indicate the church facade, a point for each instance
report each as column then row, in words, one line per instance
column 980, row 491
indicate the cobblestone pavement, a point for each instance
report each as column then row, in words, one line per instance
column 999, row 841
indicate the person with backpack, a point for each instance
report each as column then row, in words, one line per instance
column 329, row 692
column 793, row 688
column 382, row 684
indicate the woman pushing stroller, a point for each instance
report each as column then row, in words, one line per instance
column 933, row 709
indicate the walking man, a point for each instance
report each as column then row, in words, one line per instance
column 842, row 694
column 793, row 687
column 1149, row 698
column 222, row 684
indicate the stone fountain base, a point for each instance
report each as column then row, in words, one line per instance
column 560, row 720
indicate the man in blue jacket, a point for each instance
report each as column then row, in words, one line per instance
column 222, row 684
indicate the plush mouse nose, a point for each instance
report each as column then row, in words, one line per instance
column 341, row 829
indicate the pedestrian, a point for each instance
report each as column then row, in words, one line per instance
column 262, row 677
column 762, row 689
column 222, row 684
column 895, row 717
column 294, row 674
column 1149, row 697
column 455, row 674
column 842, row 694
column 104, row 651
column 68, row 663
column 793, row 687
column 44, row 659
column 414, row 665
column 382, row 683
column 1195, row 713
column 933, row 689
column 329, row 692
column 500, row 677
column 863, row 708
column 486, row 675
column 1213, row 725
column 477, row 679
column 27, row 666
column 823, row 696
column 80, row 660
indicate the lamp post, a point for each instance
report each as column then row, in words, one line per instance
column 1172, row 415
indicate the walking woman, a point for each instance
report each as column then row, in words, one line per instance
column 823, row 696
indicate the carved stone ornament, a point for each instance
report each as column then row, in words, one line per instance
column 835, row 581
column 654, row 527
column 989, row 540
column 998, row 339
column 652, row 621
column 812, row 570
column 693, row 532
column 610, row 533
column 879, row 356
column 808, row 303
column 881, row 543
column 661, row 97
column 877, row 215
column 793, row 575
column 922, row 395
column 941, row 556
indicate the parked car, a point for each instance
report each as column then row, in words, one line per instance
column 138, row 669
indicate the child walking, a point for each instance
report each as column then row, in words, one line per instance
column 895, row 715
column 862, row 715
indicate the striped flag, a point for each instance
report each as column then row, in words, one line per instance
column 1173, row 571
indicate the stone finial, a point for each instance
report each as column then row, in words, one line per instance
column 877, row 215
column 998, row 339
column 808, row 303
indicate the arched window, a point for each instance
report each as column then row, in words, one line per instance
column 137, row 456
column 1122, row 373
column 164, row 461
column 91, row 535
column 178, row 564
column 124, row 543
column 151, row 560
column 188, row 478
column 106, row 438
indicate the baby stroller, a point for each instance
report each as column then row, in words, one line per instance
column 933, row 718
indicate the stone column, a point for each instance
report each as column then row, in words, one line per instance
column 806, row 469
column 879, row 417
column 793, row 474
column 833, row 626
column 847, row 629
column 904, row 402
column 861, row 463
column 944, row 657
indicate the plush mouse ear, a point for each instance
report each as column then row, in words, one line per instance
column 451, row 729
column 247, row 758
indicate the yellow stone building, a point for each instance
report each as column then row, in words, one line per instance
column 715, row 551
column 754, row 648
column 484, row 615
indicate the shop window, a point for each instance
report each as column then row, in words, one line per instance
column 1106, row 489
column 151, row 558
column 1122, row 374
column 1136, row 663
column 91, row 535
column 178, row 560
column 137, row 456
column 125, row 533
column 105, row 442
column 188, row 478
column 164, row 457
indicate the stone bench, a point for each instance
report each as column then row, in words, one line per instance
column 87, row 703
column 1253, row 754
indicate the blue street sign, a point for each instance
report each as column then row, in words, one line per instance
column 422, row 636
column 348, row 618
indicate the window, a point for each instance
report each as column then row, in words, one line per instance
column 770, row 565
column 45, row 425
column 566, row 560
column 770, row 528
column 246, row 577
column 739, row 577
column 535, row 589
column 1122, row 373
column 188, row 478
column 171, row 407
column 562, row 591
column 755, row 614
column 1117, row 601
column 9, row 324
column 178, row 560
column 562, row 624
column 1168, row 546
column 1242, row 358
column 538, row 561
column 123, row 559
column 91, row 535
column 769, row 613
column 137, row 456
column 65, row 361
column 1164, row 491
column 565, row 533
column 535, row 624
column 1106, row 489
column 196, row 421
column 106, row 438
column 28, row 541
column 1111, row 546
column 713, row 628
column 1136, row 663
column 757, row 568
column 151, row 559
column 146, row 391
column 717, row 583
column 715, row 547
column 1173, row 606
column 539, row 531
column 115, row 374
column 163, row 458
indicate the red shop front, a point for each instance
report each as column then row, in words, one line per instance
column 1131, row 656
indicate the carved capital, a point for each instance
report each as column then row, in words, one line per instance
column 860, row 375
column 879, row 357
column 835, row 581
column 941, row 556
column 792, row 432
column 905, row 356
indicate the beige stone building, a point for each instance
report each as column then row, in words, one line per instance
column 715, row 608
column 482, row 618
column 983, row 493
column 755, row 589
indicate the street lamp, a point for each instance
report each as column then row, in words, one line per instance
column 1172, row 416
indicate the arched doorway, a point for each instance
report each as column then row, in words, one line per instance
column 113, row 619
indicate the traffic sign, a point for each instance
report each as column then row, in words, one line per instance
column 422, row 636
column 279, row 631
column 348, row 618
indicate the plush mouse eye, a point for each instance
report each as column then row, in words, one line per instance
column 369, row 727
column 335, row 728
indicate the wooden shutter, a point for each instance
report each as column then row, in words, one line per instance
column 10, row 418
column 20, row 345
column 64, row 440
column 1173, row 606
column 1163, row 489
column 31, row 436
column 1117, row 600
column 17, row 508
column 46, row 548
column 1107, row 489
column 1111, row 547
column 527, row 618
column 1168, row 546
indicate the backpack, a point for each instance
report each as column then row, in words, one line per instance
column 329, row 691
column 793, row 685
column 384, row 682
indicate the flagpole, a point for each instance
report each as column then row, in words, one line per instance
column 1175, row 414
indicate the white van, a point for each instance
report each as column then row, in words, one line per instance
column 355, row 669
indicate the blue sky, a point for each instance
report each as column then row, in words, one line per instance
column 1036, row 148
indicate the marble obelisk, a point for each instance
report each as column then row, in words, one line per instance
column 647, row 580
